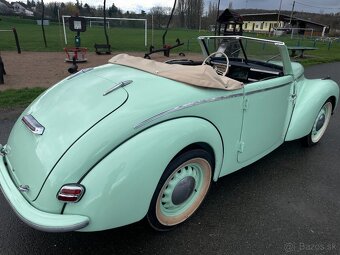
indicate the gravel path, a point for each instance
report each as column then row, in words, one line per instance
column 43, row 69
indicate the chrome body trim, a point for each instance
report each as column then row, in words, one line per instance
column 85, row 70
column 203, row 101
column 237, row 37
column 24, row 188
column 263, row 71
column 267, row 89
column 3, row 151
column 184, row 106
column 117, row 86
column 33, row 125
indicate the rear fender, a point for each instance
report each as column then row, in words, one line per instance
column 120, row 187
column 311, row 95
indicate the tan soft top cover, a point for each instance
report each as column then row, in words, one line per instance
column 201, row 75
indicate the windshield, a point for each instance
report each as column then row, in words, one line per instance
column 246, row 49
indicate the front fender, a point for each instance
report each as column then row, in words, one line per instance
column 311, row 95
column 120, row 187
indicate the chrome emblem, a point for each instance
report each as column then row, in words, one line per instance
column 24, row 188
column 117, row 86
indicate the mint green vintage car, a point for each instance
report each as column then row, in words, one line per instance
column 135, row 138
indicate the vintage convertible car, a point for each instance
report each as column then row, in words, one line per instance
column 135, row 138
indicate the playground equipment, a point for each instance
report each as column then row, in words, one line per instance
column 229, row 23
column 95, row 18
column 166, row 47
column 103, row 48
column 16, row 38
column 2, row 65
column 74, row 67
column 76, row 54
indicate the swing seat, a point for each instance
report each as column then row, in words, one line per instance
column 102, row 48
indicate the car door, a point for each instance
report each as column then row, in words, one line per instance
column 267, row 111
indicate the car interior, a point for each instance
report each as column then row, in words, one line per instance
column 231, row 60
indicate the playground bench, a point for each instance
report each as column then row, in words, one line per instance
column 300, row 49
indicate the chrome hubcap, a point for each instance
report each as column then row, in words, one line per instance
column 320, row 122
column 183, row 190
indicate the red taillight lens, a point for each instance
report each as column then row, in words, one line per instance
column 71, row 193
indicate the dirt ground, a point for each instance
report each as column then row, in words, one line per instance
column 44, row 69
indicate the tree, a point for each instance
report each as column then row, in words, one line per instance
column 113, row 11
column 159, row 15
column 190, row 13
column 182, row 7
column 71, row 9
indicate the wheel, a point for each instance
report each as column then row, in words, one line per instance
column 220, row 68
column 181, row 189
column 319, row 126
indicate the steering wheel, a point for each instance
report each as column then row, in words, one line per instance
column 220, row 68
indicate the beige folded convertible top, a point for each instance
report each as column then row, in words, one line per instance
column 201, row 75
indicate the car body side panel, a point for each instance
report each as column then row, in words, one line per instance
column 266, row 116
column 126, row 179
column 311, row 95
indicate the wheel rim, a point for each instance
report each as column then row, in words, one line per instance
column 321, row 122
column 183, row 192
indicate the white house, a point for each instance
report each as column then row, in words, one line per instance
column 19, row 9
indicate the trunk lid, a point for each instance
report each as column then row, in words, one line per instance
column 66, row 111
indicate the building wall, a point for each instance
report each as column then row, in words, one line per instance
column 261, row 26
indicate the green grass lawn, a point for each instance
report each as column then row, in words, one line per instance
column 12, row 98
column 121, row 39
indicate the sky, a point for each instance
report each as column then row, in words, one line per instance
column 316, row 6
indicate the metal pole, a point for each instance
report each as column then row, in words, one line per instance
column 64, row 30
column 146, row 33
column 42, row 22
column 105, row 30
column 291, row 14
column 217, row 14
column 59, row 24
column 278, row 15
column 167, row 26
column 152, row 30
column 16, row 40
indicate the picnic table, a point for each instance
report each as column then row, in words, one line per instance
column 300, row 49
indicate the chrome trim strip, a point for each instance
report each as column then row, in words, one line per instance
column 263, row 71
column 80, row 72
column 203, row 101
column 184, row 106
column 24, row 188
column 237, row 37
column 33, row 125
column 117, row 86
column 267, row 89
